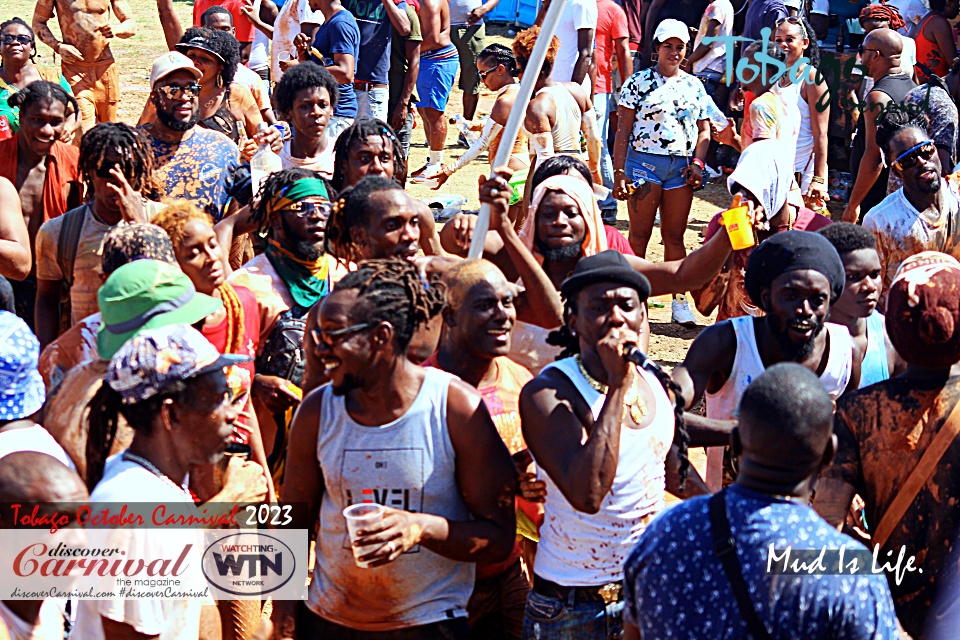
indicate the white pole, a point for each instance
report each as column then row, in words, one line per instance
column 510, row 131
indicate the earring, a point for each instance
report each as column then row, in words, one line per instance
column 654, row 57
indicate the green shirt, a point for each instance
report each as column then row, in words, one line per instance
column 398, row 59
column 13, row 113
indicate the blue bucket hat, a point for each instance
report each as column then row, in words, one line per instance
column 21, row 387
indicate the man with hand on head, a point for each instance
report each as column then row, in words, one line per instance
column 725, row 542
column 601, row 431
column 792, row 277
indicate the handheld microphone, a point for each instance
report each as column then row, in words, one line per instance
column 632, row 353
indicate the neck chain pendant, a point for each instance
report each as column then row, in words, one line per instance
column 632, row 400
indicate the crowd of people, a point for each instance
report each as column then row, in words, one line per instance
column 179, row 326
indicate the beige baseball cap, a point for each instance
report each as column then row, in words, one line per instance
column 170, row 62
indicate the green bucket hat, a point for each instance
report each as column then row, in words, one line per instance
column 147, row 294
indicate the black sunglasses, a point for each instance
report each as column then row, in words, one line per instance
column 103, row 171
column 10, row 38
column 329, row 338
column 912, row 156
column 861, row 49
column 483, row 74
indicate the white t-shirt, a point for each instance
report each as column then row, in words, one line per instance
column 49, row 623
column 127, row 481
column 34, row 438
column 323, row 164
column 911, row 11
column 285, row 29
column 722, row 12
column 259, row 50
column 577, row 14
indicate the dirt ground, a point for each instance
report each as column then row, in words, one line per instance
column 668, row 342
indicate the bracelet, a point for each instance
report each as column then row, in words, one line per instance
column 616, row 171
column 818, row 180
column 699, row 163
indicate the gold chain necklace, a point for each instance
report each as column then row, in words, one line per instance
column 632, row 400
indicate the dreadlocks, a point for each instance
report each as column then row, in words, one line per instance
column 570, row 344
column 273, row 185
column 350, row 212
column 43, row 92
column 392, row 290
column 501, row 54
column 136, row 159
column 357, row 133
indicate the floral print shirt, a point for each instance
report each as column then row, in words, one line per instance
column 667, row 112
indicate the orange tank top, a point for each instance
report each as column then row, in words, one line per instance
column 928, row 54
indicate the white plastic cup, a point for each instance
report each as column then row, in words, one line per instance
column 360, row 516
column 283, row 55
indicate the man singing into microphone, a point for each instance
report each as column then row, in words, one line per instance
column 600, row 430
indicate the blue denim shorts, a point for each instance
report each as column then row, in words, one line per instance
column 665, row 171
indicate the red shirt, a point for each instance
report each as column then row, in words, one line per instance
column 617, row 241
column 611, row 26
column 240, row 22
column 61, row 172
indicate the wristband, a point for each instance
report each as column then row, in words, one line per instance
column 818, row 180
column 616, row 171
column 699, row 163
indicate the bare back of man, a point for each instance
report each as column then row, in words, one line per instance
column 435, row 25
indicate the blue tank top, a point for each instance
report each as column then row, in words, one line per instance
column 874, row 367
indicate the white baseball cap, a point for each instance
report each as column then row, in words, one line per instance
column 671, row 28
column 793, row 4
column 170, row 62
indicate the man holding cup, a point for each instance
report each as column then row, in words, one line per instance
column 414, row 443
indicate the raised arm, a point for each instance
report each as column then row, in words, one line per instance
column 16, row 259
column 398, row 17
column 686, row 274
column 170, row 23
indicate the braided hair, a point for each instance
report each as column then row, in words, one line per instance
column 222, row 44
column 392, row 290
column 274, row 184
column 106, row 409
column 570, row 344
column 43, row 92
column 136, row 158
column 358, row 132
column 22, row 23
column 893, row 121
column 500, row 54
column 352, row 211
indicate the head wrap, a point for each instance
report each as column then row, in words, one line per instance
column 137, row 241
column 793, row 251
column 923, row 310
column 883, row 12
column 765, row 169
column 595, row 239
column 300, row 190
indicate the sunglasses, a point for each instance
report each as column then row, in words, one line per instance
column 103, row 171
column 483, row 74
column 912, row 156
column 861, row 49
column 794, row 20
column 306, row 209
column 10, row 38
column 174, row 91
column 329, row 338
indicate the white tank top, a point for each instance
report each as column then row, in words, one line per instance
column 407, row 464
column 805, row 137
column 566, row 128
column 577, row 549
column 747, row 366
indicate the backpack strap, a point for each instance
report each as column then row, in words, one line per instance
column 918, row 477
column 69, row 240
column 725, row 548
